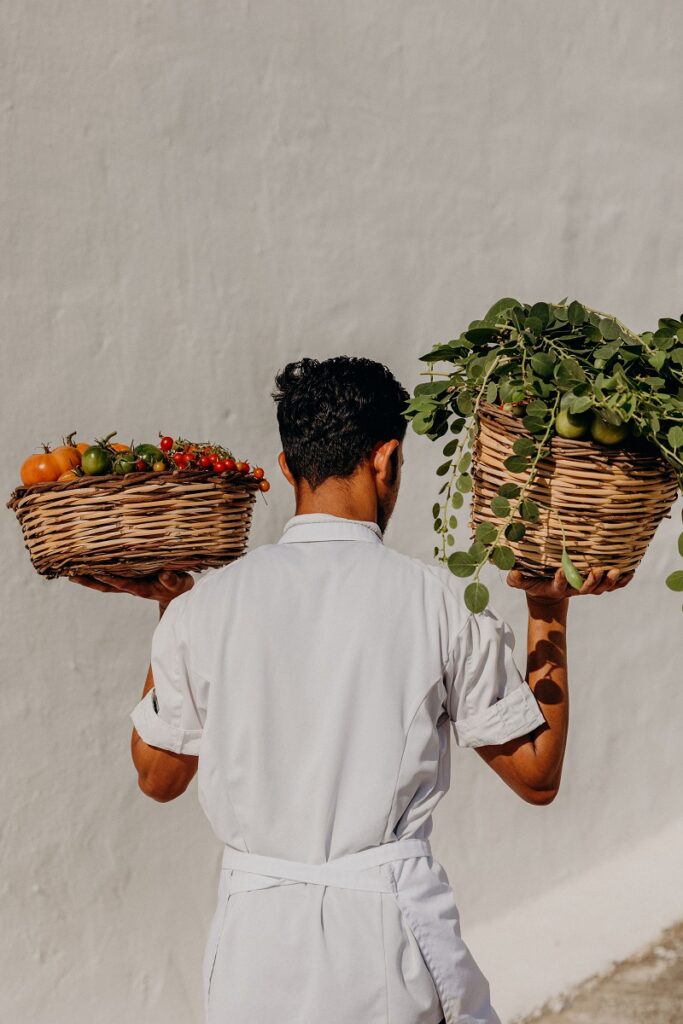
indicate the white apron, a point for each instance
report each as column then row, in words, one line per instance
column 405, row 870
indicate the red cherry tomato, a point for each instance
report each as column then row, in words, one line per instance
column 230, row 465
column 258, row 473
column 181, row 460
column 263, row 485
column 141, row 465
column 204, row 462
column 166, row 444
column 242, row 467
column 219, row 466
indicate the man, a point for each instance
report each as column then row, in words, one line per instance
column 314, row 684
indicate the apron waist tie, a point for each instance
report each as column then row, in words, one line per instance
column 359, row 870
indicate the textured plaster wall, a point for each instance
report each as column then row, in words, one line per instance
column 192, row 194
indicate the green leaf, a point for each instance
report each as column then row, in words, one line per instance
column 500, row 506
column 465, row 462
column 524, row 446
column 680, row 544
column 675, row 580
column 451, row 446
column 436, row 508
column 579, row 403
column 609, row 329
column 486, row 533
column 422, row 424
column 464, row 403
column 515, row 531
column 440, row 353
column 533, row 325
column 516, row 463
column 491, row 391
column 536, row 408
column 443, row 468
column 606, row 351
column 675, row 437
column 503, row 557
column 576, row 313
column 529, row 510
column 509, row 490
column 478, row 552
column 568, row 373
column 534, row 425
column 464, row 483
column 476, row 597
column 543, row 364
column 540, row 311
column 457, row 500
column 571, row 573
column 677, row 356
column 462, row 564
column 498, row 309
column 453, row 523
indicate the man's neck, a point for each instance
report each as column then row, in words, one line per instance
column 337, row 500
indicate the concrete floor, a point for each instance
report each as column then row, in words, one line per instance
column 645, row 989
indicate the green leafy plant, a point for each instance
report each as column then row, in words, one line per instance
column 563, row 368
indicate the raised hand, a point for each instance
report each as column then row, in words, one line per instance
column 598, row 581
column 161, row 587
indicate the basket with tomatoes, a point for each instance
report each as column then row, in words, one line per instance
column 134, row 509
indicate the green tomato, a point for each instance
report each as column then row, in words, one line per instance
column 608, row 433
column 124, row 463
column 96, row 461
column 572, row 426
column 149, row 452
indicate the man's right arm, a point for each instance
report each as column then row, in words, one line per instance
column 532, row 765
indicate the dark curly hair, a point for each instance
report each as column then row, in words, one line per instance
column 332, row 413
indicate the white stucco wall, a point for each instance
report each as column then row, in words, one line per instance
column 192, row 195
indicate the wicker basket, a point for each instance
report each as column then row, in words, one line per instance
column 137, row 524
column 610, row 500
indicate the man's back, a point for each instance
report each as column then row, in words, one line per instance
column 317, row 679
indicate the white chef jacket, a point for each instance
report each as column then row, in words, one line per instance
column 318, row 679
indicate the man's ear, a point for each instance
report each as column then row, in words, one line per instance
column 282, row 462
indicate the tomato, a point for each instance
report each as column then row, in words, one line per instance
column 149, row 452
column 69, row 474
column 38, row 469
column 258, row 473
column 230, row 465
column 166, row 443
column 96, row 461
column 204, row 462
column 66, row 457
column 81, row 446
column 572, row 426
column 124, row 462
column 141, row 465
column 263, row 485
column 180, row 460
column 242, row 467
column 120, row 447
column 219, row 466
column 159, row 467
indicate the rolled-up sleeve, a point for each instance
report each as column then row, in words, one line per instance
column 488, row 700
column 171, row 714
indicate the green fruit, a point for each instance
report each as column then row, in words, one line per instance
column 572, row 426
column 149, row 452
column 124, row 463
column 96, row 461
column 608, row 433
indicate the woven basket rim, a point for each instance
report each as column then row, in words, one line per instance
column 639, row 448
column 115, row 482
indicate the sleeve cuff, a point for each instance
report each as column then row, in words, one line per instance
column 513, row 715
column 156, row 732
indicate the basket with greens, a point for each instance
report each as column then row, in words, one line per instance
column 568, row 430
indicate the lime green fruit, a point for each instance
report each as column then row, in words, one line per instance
column 572, row 426
column 608, row 433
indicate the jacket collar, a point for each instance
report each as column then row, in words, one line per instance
column 318, row 526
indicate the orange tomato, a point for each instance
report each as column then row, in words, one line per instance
column 68, row 474
column 82, row 446
column 38, row 469
column 66, row 457
column 118, row 447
